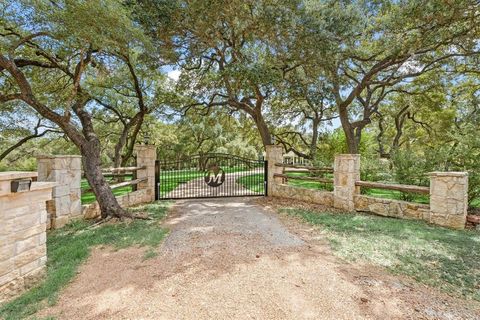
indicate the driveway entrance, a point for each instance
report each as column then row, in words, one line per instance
column 212, row 175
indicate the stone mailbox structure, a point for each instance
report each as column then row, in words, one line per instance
column 66, row 171
column 23, row 225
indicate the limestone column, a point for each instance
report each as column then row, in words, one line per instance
column 23, row 217
column 274, row 154
column 449, row 199
column 66, row 171
column 346, row 173
column 146, row 156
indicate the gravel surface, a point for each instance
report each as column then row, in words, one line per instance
column 235, row 259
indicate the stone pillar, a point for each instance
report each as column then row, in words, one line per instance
column 146, row 156
column 66, row 171
column 346, row 173
column 274, row 154
column 23, row 224
column 449, row 199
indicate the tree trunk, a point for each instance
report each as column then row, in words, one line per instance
column 131, row 145
column 349, row 131
column 86, row 140
column 262, row 128
column 313, row 143
column 117, row 160
column 92, row 165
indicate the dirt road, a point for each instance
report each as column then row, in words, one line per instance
column 234, row 259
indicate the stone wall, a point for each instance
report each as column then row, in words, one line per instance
column 449, row 199
column 448, row 194
column 23, row 224
column 92, row 210
column 346, row 172
column 146, row 156
column 274, row 154
column 303, row 194
column 66, row 171
column 392, row 208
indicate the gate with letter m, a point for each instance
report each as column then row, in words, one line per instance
column 210, row 176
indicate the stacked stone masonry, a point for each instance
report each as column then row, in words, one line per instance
column 23, row 224
column 303, row 194
column 146, row 156
column 449, row 199
column 92, row 211
column 346, row 173
column 66, row 171
column 448, row 194
column 392, row 208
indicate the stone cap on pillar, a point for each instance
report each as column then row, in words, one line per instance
column 145, row 147
column 14, row 175
column 8, row 176
column 448, row 174
column 273, row 147
column 42, row 185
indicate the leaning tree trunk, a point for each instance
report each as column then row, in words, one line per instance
column 262, row 128
column 92, row 166
column 349, row 131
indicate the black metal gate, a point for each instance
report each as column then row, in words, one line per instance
column 210, row 176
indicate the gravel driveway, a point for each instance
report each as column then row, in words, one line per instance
column 234, row 259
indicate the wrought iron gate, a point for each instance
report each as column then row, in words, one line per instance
column 210, row 176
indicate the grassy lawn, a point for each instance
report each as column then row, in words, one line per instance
column 309, row 184
column 396, row 195
column 253, row 182
column 89, row 197
column 440, row 257
column 68, row 247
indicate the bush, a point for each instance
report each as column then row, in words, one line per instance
column 409, row 168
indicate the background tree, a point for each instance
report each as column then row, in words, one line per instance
column 51, row 55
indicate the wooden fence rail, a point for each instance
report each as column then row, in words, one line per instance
column 284, row 176
column 127, row 183
column 396, row 187
column 310, row 168
column 122, row 170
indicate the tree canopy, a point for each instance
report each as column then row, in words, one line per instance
column 395, row 80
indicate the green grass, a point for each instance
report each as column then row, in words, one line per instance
column 68, row 247
column 440, row 257
column 397, row 195
column 309, row 184
column 253, row 182
column 89, row 197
